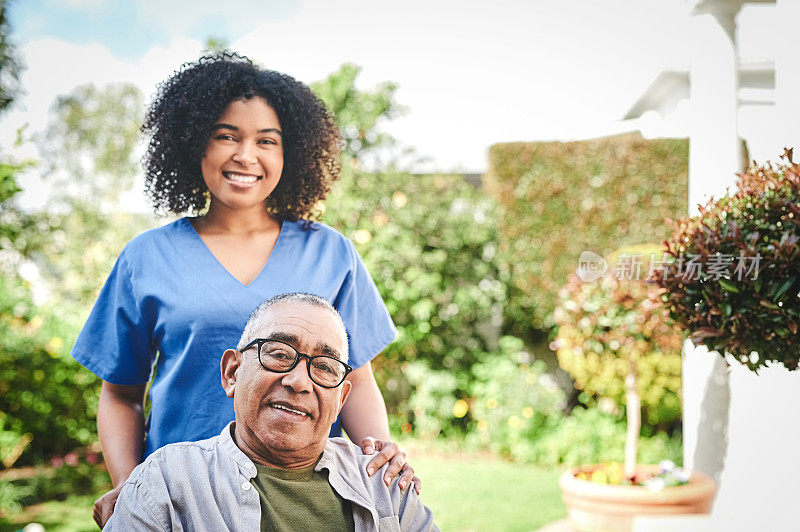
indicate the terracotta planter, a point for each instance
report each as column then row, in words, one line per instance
column 602, row 507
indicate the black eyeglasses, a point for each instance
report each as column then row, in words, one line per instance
column 280, row 357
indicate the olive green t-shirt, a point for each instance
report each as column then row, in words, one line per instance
column 300, row 499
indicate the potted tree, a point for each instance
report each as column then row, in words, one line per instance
column 733, row 278
column 615, row 340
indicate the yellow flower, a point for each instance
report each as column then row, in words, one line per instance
column 362, row 236
column 399, row 199
column 482, row 425
column 515, row 423
column 491, row 403
column 460, row 408
column 527, row 412
column 53, row 346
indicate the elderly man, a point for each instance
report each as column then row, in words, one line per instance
column 274, row 467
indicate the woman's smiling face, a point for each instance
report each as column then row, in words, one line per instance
column 244, row 158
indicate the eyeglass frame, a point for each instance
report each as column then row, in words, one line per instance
column 261, row 341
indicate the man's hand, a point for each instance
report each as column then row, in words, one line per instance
column 398, row 462
column 104, row 506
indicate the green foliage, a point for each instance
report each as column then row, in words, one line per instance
column 78, row 250
column 358, row 113
column 735, row 276
column 40, row 395
column 514, row 403
column 10, row 65
column 8, row 183
column 429, row 242
column 76, row 473
column 216, row 44
column 431, row 403
column 12, row 443
column 73, row 514
column 11, row 496
column 610, row 327
column 13, row 222
column 90, row 145
column 43, row 391
column 90, row 141
column 560, row 199
column 588, row 436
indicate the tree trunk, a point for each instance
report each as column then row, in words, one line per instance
column 633, row 407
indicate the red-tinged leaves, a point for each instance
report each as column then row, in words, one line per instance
column 705, row 332
column 755, row 307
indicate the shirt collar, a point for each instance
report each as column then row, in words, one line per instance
column 246, row 465
column 229, row 447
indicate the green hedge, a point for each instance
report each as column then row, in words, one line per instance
column 559, row 199
column 43, row 392
column 430, row 243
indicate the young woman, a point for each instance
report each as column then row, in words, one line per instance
column 256, row 152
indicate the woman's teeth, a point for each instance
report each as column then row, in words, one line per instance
column 240, row 178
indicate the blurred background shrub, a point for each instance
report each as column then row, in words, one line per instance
column 559, row 199
column 52, row 265
column 514, row 402
column 44, row 393
column 590, row 436
column 611, row 326
column 430, row 243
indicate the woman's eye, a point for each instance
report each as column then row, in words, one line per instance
column 267, row 141
column 224, row 137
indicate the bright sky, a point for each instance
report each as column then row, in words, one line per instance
column 470, row 73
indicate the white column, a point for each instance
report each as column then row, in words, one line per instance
column 714, row 159
column 787, row 76
column 761, row 479
column 714, row 149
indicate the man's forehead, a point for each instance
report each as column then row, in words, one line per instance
column 307, row 322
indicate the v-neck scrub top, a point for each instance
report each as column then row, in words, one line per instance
column 167, row 294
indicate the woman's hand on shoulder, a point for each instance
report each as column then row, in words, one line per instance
column 104, row 506
column 390, row 452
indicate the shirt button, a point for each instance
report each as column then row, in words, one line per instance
column 246, row 486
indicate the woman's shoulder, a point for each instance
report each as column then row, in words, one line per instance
column 155, row 242
column 157, row 236
column 320, row 233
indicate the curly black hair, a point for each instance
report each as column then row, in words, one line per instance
column 185, row 108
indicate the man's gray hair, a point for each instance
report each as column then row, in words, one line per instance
column 255, row 321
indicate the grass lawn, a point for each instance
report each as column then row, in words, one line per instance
column 470, row 493
column 466, row 492
column 71, row 515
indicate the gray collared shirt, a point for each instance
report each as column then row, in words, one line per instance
column 205, row 485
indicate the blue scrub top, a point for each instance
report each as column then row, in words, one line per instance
column 168, row 294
